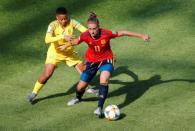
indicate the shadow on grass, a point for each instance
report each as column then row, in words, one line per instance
column 136, row 88
column 70, row 91
column 27, row 28
column 122, row 116
column 119, row 70
column 133, row 89
column 155, row 8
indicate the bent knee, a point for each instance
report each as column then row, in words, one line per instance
column 104, row 81
column 104, row 84
column 48, row 74
column 81, row 66
column 82, row 85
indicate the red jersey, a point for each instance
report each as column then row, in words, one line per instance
column 98, row 49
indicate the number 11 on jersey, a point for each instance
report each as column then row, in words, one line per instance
column 97, row 48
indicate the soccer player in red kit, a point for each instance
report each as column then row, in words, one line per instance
column 99, row 57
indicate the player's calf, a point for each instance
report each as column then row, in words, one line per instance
column 77, row 99
column 79, row 93
column 103, row 92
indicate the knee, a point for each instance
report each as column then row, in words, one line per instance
column 105, row 76
column 82, row 85
column 105, row 84
column 81, row 67
column 104, row 81
column 47, row 74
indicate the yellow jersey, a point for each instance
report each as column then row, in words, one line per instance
column 55, row 36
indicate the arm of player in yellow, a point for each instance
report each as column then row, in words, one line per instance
column 73, row 42
column 50, row 39
column 134, row 34
column 78, row 26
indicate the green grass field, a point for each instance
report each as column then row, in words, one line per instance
column 163, row 99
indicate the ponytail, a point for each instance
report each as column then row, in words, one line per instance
column 93, row 18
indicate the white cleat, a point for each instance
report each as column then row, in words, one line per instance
column 91, row 91
column 73, row 101
column 98, row 112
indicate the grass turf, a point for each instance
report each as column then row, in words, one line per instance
column 163, row 97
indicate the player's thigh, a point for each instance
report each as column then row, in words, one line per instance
column 105, row 72
column 80, row 67
column 49, row 69
column 52, row 58
column 89, row 73
column 73, row 60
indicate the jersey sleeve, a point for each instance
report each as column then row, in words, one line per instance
column 80, row 39
column 78, row 26
column 113, row 34
column 51, row 28
column 50, row 38
column 83, row 37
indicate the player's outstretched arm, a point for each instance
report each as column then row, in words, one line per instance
column 72, row 42
column 78, row 26
column 49, row 38
column 134, row 34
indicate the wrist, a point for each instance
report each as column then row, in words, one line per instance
column 142, row 36
column 69, row 44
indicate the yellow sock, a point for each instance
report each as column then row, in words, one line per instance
column 38, row 86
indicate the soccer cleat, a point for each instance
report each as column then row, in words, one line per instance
column 91, row 91
column 31, row 97
column 98, row 112
column 73, row 101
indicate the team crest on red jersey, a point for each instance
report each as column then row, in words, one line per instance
column 103, row 41
column 90, row 43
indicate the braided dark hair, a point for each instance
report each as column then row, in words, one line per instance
column 93, row 18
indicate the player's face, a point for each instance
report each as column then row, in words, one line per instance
column 62, row 19
column 93, row 29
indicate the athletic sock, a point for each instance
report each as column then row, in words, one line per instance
column 79, row 93
column 103, row 92
column 38, row 86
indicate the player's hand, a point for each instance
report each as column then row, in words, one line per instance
column 68, row 37
column 146, row 38
column 62, row 47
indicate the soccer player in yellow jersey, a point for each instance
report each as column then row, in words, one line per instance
column 59, row 32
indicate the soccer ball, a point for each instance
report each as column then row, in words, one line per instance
column 112, row 112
